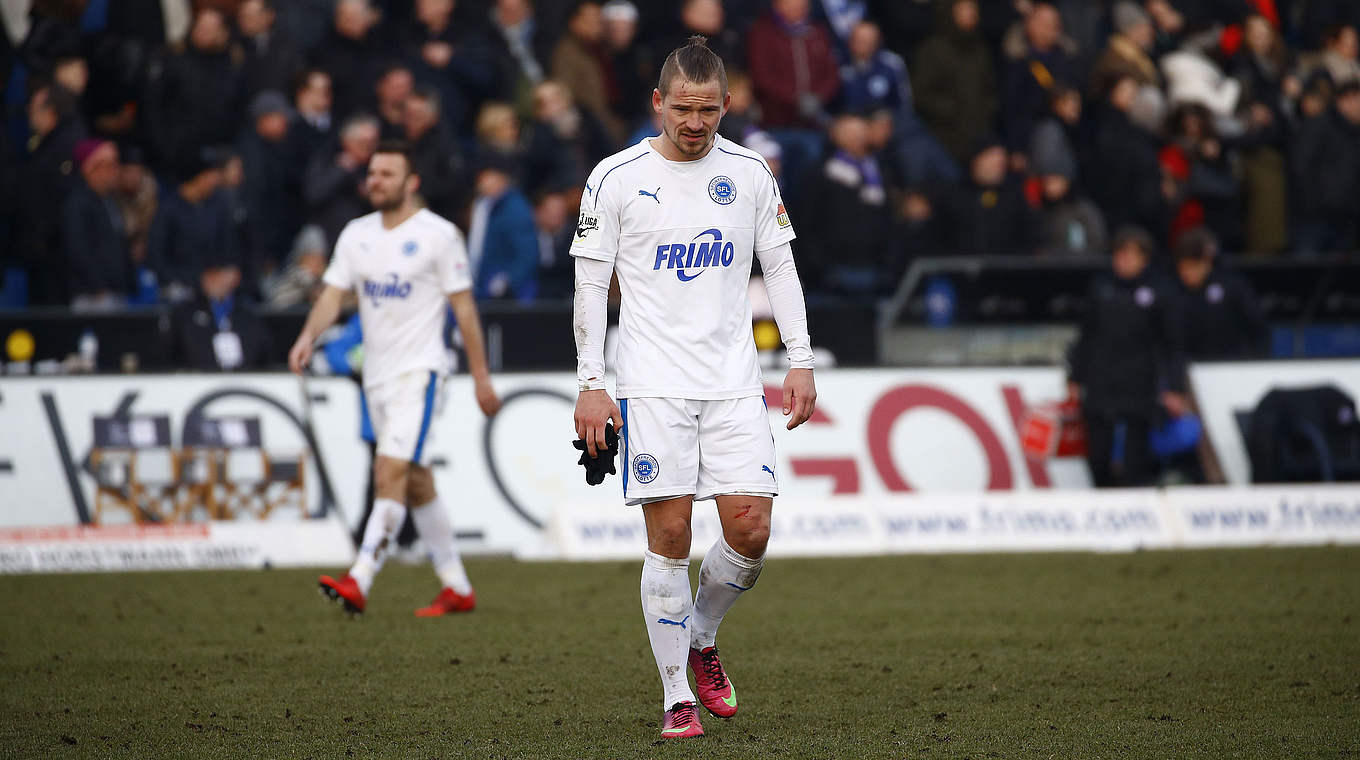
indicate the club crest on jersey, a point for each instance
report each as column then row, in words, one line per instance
column 721, row 190
column 378, row 291
column 409, row 248
column 782, row 216
column 696, row 255
column 645, row 468
column 585, row 224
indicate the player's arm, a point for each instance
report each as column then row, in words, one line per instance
column 590, row 320
column 790, row 314
column 323, row 314
column 470, row 327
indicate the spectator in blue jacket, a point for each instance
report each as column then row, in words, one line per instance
column 192, row 225
column 874, row 77
column 502, row 238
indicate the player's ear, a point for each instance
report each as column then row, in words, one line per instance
column 412, row 183
column 727, row 101
column 656, row 100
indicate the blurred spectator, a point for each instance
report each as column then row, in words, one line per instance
column 1199, row 165
column 194, row 224
column 198, row 99
column 521, row 48
column 582, row 64
column 44, row 178
column 1061, row 138
column 271, row 56
column 217, row 329
column 333, row 183
column 954, row 81
column 498, row 131
column 844, row 239
column 1262, row 67
column 1127, row 53
column 988, row 214
column 743, row 113
column 556, row 228
column 453, row 58
column 634, row 72
column 1034, row 68
column 1338, row 59
column 707, row 18
column 272, row 183
column 1267, row 109
column 1317, row 17
column 395, row 84
column 435, row 155
column 502, row 241
column 1222, row 317
column 100, row 269
column 1071, row 225
column 1127, row 179
column 873, row 78
column 793, row 66
column 1325, row 157
column 905, row 24
column 1127, row 365
column 137, row 195
column 351, row 54
column 299, row 279
column 565, row 142
column 312, row 102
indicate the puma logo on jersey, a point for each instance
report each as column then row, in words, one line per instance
column 379, row 290
column 651, row 195
column 696, row 256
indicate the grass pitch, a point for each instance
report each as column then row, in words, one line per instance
column 1215, row 654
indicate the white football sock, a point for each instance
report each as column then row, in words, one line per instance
column 722, row 578
column 380, row 536
column 667, row 608
column 432, row 521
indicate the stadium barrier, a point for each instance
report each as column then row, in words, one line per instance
column 890, row 453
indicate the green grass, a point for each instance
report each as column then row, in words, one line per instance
column 1215, row 654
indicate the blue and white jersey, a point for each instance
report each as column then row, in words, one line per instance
column 681, row 236
column 402, row 278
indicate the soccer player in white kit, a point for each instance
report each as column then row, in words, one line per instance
column 678, row 217
column 405, row 264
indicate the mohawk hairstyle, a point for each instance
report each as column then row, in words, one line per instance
column 695, row 62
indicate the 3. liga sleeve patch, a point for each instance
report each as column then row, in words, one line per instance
column 587, row 224
column 782, row 216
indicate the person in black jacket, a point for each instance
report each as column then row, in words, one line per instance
column 1326, row 168
column 849, row 219
column 1127, row 366
column 1221, row 315
column 198, row 99
column 989, row 213
column 97, row 262
column 41, row 183
column 272, row 58
column 218, row 329
column 445, row 182
column 333, row 183
column 1125, row 177
column 272, row 185
column 192, row 225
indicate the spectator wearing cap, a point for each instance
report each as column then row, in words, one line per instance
column 1128, row 53
column 99, row 269
column 351, row 53
column 502, row 238
column 1070, row 223
column 1325, row 158
column 954, row 81
column 435, row 155
column 988, row 214
column 846, row 232
column 333, row 183
column 1127, row 365
column 45, row 175
column 272, row 58
column 1127, row 178
column 1040, row 64
column 218, row 329
column 793, row 66
column 273, row 180
column 198, row 100
column 194, row 224
column 582, row 63
column 453, row 58
column 1221, row 314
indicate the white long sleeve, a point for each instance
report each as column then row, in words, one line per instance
column 590, row 320
column 786, row 301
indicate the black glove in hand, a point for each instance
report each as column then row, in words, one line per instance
column 602, row 463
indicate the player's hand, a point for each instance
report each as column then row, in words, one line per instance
column 800, row 396
column 487, row 399
column 300, row 354
column 593, row 409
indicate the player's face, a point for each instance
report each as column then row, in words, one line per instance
column 389, row 181
column 690, row 113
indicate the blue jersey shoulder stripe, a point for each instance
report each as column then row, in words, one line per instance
column 600, row 187
column 753, row 158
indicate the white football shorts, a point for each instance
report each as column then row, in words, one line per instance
column 674, row 447
column 404, row 411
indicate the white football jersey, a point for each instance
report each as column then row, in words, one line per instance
column 681, row 236
column 402, row 277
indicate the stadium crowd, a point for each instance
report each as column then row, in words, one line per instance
column 155, row 149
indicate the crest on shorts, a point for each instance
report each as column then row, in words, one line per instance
column 721, row 190
column 645, row 468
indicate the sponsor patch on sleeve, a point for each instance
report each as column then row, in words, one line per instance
column 782, row 216
column 585, row 225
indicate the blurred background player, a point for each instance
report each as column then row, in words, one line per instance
column 679, row 217
column 402, row 262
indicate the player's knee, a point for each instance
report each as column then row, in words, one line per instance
column 670, row 537
column 749, row 536
column 390, row 478
column 419, row 487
